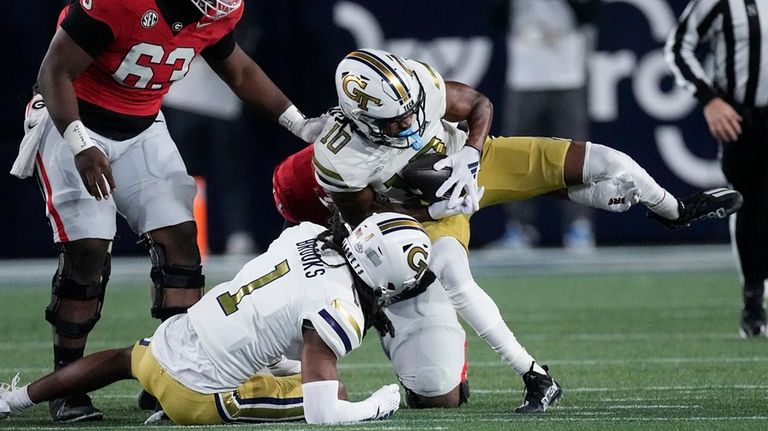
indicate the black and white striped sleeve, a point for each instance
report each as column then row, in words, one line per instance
column 680, row 50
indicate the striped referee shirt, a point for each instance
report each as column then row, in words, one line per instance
column 737, row 32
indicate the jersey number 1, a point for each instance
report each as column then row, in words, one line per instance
column 229, row 301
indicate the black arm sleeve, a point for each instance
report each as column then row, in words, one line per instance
column 90, row 34
column 221, row 49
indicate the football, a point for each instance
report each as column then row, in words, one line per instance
column 424, row 181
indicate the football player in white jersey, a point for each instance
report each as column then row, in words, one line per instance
column 393, row 110
column 312, row 295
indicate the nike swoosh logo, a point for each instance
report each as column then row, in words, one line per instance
column 202, row 24
column 31, row 126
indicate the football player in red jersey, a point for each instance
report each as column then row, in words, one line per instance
column 103, row 147
column 298, row 196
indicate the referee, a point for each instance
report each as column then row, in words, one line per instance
column 735, row 99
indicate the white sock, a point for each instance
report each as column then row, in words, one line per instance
column 667, row 207
column 601, row 162
column 451, row 265
column 503, row 341
column 18, row 400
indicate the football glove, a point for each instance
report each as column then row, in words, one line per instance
column 467, row 205
column 464, row 167
column 305, row 128
column 388, row 400
column 35, row 114
column 614, row 194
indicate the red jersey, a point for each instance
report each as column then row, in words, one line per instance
column 297, row 195
column 136, row 70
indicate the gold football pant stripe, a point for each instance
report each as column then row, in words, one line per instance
column 263, row 397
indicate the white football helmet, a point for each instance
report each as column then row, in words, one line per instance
column 376, row 88
column 390, row 252
column 217, row 9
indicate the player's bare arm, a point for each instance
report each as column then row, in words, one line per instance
column 317, row 359
column 356, row 206
column 465, row 103
column 63, row 62
column 249, row 82
column 323, row 401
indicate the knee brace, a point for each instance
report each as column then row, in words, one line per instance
column 166, row 276
column 603, row 163
column 64, row 287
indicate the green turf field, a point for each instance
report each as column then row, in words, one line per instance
column 633, row 352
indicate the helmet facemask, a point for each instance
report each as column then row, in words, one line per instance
column 217, row 9
column 376, row 128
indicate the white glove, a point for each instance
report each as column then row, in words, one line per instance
column 388, row 400
column 464, row 167
column 34, row 113
column 614, row 194
column 468, row 204
column 305, row 128
column 284, row 367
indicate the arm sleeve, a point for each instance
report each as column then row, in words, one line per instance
column 221, row 49
column 89, row 33
column 679, row 51
column 322, row 405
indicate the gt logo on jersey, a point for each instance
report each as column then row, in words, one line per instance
column 352, row 86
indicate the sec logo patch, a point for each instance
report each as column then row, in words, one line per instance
column 149, row 19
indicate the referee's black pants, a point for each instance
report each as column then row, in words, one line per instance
column 745, row 165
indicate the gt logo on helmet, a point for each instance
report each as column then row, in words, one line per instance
column 354, row 92
column 417, row 260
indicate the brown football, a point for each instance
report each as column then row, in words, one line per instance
column 423, row 180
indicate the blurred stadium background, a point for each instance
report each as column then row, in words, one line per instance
column 642, row 332
column 633, row 105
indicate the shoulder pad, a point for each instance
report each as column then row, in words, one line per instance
column 340, row 324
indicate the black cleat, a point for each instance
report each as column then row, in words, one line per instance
column 541, row 392
column 753, row 323
column 75, row 408
column 709, row 204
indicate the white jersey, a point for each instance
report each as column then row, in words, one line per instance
column 251, row 321
column 346, row 161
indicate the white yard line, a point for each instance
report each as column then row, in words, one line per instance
column 499, row 364
column 486, row 262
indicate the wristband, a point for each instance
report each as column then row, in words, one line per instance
column 291, row 118
column 77, row 137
